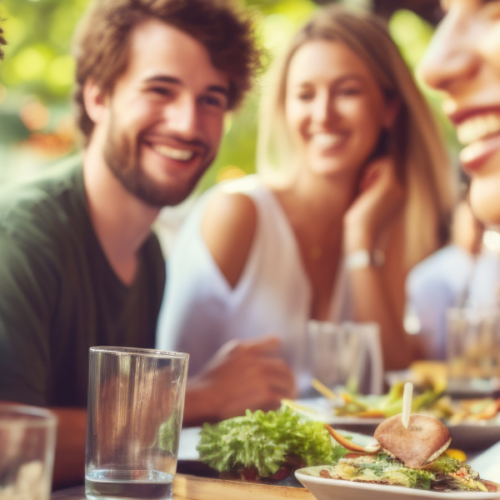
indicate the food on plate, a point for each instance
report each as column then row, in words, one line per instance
column 270, row 446
column 455, row 412
column 387, row 405
column 427, row 401
column 266, row 445
column 414, row 457
column 424, row 440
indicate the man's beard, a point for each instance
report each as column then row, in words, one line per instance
column 122, row 156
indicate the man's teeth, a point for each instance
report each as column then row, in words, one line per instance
column 478, row 127
column 327, row 140
column 173, row 153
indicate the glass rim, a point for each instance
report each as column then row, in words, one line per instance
column 153, row 353
column 15, row 414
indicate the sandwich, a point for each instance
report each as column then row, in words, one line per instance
column 414, row 457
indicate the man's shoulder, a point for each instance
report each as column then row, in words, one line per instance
column 37, row 205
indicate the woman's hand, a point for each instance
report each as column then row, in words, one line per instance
column 381, row 197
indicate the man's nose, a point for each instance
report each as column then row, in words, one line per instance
column 182, row 117
column 450, row 58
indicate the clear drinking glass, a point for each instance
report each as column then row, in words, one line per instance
column 27, row 444
column 473, row 343
column 135, row 407
column 346, row 354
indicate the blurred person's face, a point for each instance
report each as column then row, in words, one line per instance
column 334, row 108
column 463, row 61
column 163, row 121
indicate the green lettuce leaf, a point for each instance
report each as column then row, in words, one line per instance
column 264, row 441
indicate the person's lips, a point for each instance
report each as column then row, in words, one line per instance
column 174, row 148
column 479, row 131
column 328, row 141
column 478, row 127
column 173, row 153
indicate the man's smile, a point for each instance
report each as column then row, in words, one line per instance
column 179, row 154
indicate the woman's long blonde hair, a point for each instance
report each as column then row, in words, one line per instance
column 421, row 159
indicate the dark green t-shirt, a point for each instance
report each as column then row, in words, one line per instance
column 58, row 294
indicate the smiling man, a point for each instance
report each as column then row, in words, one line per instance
column 79, row 264
column 463, row 62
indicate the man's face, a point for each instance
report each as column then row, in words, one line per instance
column 164, row 118
column 463, row 61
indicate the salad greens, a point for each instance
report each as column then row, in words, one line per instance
column 385, row 406
column 266, row 441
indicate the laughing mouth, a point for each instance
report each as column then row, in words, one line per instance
column 478, row 127
column 325, row 140
column 174, row 153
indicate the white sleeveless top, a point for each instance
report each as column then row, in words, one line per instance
column 273, row 296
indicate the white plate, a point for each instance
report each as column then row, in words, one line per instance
column 329, row 489
column 189, row 439
column 475, row 436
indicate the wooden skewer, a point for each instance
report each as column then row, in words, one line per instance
column 323, row 389
column 300, row 408
column 407, row 400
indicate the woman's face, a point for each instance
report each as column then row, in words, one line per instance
column 463, row 61
column 335, row 109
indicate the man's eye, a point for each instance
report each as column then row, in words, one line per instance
column 160, row 91
column 213, row 101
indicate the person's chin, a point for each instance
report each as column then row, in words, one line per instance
column 328, row 164
column 485, row 197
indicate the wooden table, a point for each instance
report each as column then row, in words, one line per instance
column 199, row 488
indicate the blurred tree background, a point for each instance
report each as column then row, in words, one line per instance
column 36, row 78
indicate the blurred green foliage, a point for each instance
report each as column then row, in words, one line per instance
column 38, row 67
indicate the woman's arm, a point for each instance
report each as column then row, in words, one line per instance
column 228, row 229
column 201, row 274
column 240, row 375
column 379, row 292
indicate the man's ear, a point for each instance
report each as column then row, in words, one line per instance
column 95, row 101
column 392, row 108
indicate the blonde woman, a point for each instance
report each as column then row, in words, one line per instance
column 353, row 190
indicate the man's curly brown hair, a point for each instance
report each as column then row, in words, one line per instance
column 102, row 42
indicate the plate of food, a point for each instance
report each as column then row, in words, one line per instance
column 327, row 489
column 279, row 447
column 474, row 423
column 409, row 458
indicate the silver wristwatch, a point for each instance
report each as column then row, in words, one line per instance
column 361, row 259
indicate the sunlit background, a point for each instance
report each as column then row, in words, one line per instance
column 36, row 126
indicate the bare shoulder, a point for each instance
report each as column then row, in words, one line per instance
column 228, row 228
